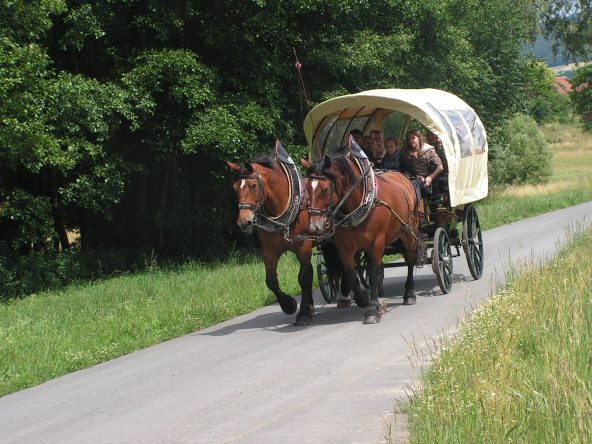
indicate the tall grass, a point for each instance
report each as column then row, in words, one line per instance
column 53, row 333
column 520, row 368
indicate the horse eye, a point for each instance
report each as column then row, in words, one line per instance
column 253, row 186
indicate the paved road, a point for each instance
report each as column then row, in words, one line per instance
column 258, row 379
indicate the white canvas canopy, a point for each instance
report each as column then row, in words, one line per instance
column 327, row 127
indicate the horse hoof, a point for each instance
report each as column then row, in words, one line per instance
column 372, row 318
column 289, row 305
column 409, row 301
column 302, row 320
column 362, row 300
column 372, row 315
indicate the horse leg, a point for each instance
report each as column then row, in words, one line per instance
column 352, row 282
column 344, row 299
column 372, row 315
column 287, row 303
column 305, row 280
column 381, row 303
column 410, row 254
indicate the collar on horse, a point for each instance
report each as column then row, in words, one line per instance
column 296, row 189
column 368, row 201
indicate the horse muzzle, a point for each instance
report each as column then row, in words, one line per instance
column 246, row 224
column 317, row 225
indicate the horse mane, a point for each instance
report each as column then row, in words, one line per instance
column 316, row 168
column 343, row 166
column 264, row 159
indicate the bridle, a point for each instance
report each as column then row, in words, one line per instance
column 325, row 213
column 256, row 206
column 331, row 213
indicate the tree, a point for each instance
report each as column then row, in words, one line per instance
column 570, row 22
column 53, row 139
column 117, row 115
column 581, row 96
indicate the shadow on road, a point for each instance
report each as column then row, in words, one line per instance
column 328, row 314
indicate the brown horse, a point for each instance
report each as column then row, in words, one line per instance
column 270, row 194
column 341, row 200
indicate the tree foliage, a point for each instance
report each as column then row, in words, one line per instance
column 570, row 22
column 117, row 115
column 582, row 94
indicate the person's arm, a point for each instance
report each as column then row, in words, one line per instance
column 439, row 168
column 431, row 177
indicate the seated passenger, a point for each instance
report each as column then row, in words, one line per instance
column 357, row 135
column 377, row 136
column 420, row 163
column 390, row 161
column 437, row 144
column 369, row 147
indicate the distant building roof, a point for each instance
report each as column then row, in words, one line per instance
column 562, row 85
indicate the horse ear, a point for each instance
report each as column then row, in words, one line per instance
column 276, row 148
column 327, row 162
column 305, row 163
column 233, row 166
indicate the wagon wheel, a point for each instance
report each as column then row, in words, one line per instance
column 472, row 242
column 363, row 268
column 328, row 288
column 442, row 260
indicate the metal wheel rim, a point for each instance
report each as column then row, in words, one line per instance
column 442, row 260
column 473, row 243
column 327, row 291
column 361, row 261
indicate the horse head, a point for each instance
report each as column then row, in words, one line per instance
column 334, row 188
column 261, row 188
column 321, row 195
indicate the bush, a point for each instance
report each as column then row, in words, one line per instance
column 553, row 108
column 581, row 96
column 519, row 153
column 21, row 275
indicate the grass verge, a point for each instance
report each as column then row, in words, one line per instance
column 53, row 333
column 519, row 370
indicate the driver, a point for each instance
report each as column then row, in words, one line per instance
column 417, row 161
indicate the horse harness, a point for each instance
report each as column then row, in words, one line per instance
column 360, row 212
column 406, row 225
column 368, row 203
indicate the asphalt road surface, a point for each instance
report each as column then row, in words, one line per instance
column 259, row 379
